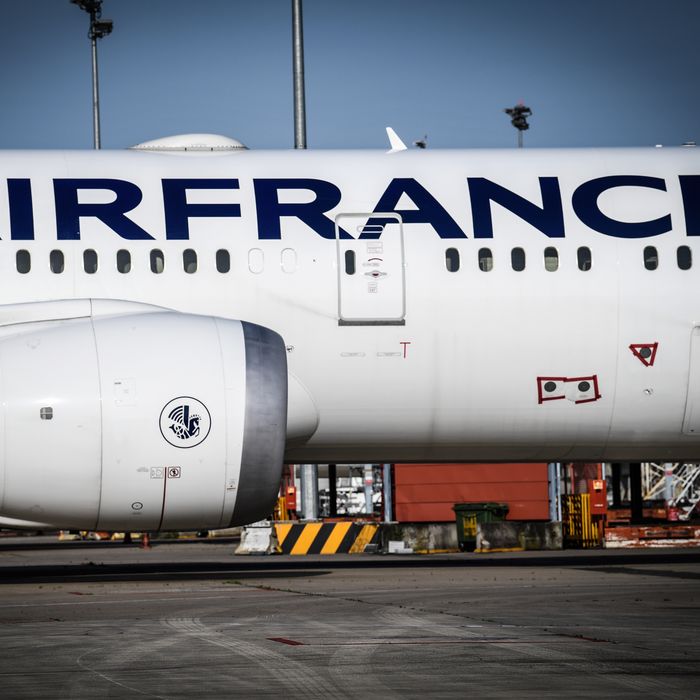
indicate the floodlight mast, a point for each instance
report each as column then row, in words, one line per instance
column 298, row 71
column 99, row 28
column 518, row 118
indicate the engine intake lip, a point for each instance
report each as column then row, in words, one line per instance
column 265, row 424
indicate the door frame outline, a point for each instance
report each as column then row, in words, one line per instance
column 397, row 321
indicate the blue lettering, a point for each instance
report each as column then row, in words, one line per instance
column 112, row 214
column 428, row 211
column 19, row 193
column 585, row 203
column 690, row 189
column 483, row 193
column 178, row 211
column 313, row 214
column 549, row 218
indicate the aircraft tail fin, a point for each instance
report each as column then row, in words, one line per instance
column 394, row 141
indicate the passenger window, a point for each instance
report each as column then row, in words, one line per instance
column 23, row 260
column 123, row 261
column 684, row 257
column 349, row 262
column 585, row 262
column 651, row 258
column 256, row 260
column 517, row 259
column 289, row 260
column 189, row 261
column 223, row 261
column 157, row 261
column 90, row 261
column 485, row 260
column 551, row 259
column 56, row 261
column 452, row 259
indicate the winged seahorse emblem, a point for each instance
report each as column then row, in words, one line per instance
column 184, row 425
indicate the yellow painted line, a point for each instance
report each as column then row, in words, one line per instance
column 365, row 536
column 335, row 538
column 282, row 530
column 301, row 546
column 437, row 551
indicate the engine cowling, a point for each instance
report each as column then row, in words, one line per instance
column 141, row 421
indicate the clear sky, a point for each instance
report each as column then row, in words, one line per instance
column 594, row 72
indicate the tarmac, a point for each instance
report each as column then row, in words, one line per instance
column 189, row 619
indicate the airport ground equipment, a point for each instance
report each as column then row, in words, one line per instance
column 581, row 530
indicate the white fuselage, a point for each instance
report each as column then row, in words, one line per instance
column 404, row 359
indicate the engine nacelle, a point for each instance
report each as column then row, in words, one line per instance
column 149, row 420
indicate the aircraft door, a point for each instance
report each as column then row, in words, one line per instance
column 371, row 276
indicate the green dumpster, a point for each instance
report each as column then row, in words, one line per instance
column 469, row 515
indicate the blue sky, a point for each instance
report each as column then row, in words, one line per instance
column 595, row 73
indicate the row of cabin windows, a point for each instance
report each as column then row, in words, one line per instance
column 517, row 259
column 90, row 261
column 256, row 261
column 684, row 259
column 485, row 258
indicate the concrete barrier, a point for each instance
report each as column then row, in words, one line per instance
column 419, row 538
column 327, row 538
column 258, row 538
column 392, row 538
column 515, row 536
column 356, row 538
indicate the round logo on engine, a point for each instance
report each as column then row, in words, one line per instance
column 185, row 422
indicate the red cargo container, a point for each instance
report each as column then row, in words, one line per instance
column 427, row 492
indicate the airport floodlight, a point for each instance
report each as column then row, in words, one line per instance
column 88, row 5
column 99, row 28
column 518, row 118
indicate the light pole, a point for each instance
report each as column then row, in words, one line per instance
column 298, row 71
column 518, row 118
column 99, row 28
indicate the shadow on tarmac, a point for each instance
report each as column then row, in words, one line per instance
column 130, row 573
column 275, row 566
column 28, row 543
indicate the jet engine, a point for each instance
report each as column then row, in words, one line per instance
column 119, row 416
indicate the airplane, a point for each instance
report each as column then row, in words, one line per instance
column 180, row 318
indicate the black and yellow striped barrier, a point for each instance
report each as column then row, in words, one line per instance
column 325, row 538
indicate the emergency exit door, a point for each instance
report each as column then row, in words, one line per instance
column 371, row 277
